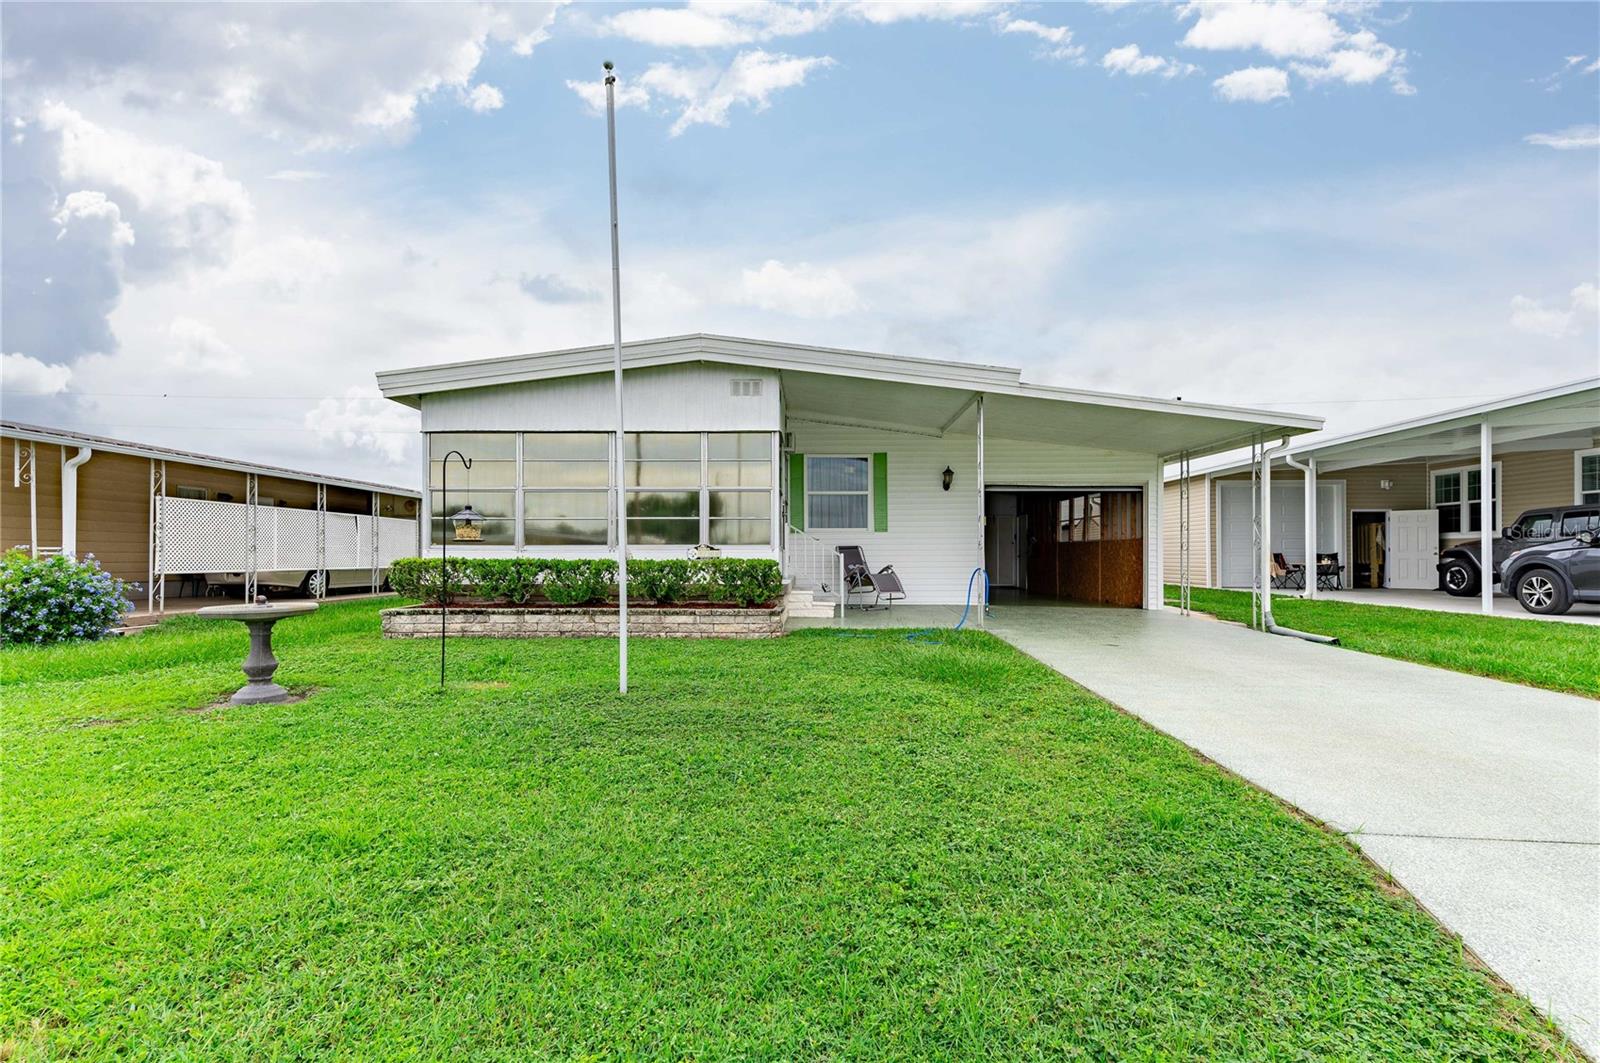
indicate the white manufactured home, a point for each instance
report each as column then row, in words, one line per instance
column 763, row 449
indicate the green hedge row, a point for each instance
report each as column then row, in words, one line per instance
column 523, row 580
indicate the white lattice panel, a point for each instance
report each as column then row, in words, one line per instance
column 293, row 533
column 344, row 541
column 396, row 538
column 202, row 536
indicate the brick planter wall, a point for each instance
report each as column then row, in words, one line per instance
column 418, row 622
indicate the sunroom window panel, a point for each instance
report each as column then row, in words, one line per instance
column 664, row 504
column 493, row 456
column 739, row 446
column 740, row 473
column 662, row 474
column 498, row 527
column 741, row 504
column 566, row 459
column 662, row 446
column 740, row 532
column 563, row 531
column 539, row 474
column 582, row 504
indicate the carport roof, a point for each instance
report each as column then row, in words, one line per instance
column 839, row 386
column 1550, row 418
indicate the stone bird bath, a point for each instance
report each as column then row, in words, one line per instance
column 260, row 664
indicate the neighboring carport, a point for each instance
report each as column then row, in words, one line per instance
column 1562, row 417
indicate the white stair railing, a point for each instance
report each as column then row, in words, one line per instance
column 806, row 561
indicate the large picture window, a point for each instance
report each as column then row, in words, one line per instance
column 1456, row 496
column 838, row 493
column 684, row 488
column 566, row 480
column 678, row 488
column 489, row 486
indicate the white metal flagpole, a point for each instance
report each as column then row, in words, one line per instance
column 616, row 346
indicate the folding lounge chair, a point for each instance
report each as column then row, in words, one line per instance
column 1286, row 576
column 859, row 579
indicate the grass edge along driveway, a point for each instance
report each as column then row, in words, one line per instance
column 1537, row 653
column 828, row 845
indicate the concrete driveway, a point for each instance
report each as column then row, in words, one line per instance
column 1481, row 797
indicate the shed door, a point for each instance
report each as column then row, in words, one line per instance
column 1234, row 538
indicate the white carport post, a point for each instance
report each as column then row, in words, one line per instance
column 983, row 603
column 1266, row 534
column 1486, row 528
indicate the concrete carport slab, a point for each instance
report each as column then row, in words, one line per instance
column 1482, row 798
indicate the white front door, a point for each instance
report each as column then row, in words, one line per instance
column 1414, row 549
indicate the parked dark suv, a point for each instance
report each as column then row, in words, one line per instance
column 1549, row 577
column 1459, row 567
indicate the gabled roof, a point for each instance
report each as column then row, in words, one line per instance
column 67, row 438
column 1228, row 425
column 1550, row 412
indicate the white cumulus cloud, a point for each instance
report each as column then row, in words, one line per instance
column 1568, row 139
column 22, row 375
column 801, row 290
column 1304, row 33
column 364, row 419
column 1253, row 84
column 1057, row 39
column 485, row 98
column 1130, row 60
column 195, row 347
column 1557, row 322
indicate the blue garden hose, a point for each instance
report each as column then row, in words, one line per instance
column 968, row 607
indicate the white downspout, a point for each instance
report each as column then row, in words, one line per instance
column 1267, row 621
column 1486, row 528
column 1308, row 472
column 69, row 499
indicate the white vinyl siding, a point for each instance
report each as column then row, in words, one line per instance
column 933, row 538
column 694, row 397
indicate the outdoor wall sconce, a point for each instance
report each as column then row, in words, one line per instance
column 466, row 521
column 948, row 477
column 1385, row 484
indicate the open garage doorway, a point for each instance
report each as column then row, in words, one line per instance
column 1066, row 544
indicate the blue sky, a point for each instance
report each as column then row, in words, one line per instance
column 220, row 221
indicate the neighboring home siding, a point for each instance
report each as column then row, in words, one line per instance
column 1199, row 531
column 14, row 529
column 114, row 514
column 1408, row 489
column 1535, row 478
column 695, row 397
column 933, row 535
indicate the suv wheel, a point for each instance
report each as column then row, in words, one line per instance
column 1540, row 591
column 1460, row 580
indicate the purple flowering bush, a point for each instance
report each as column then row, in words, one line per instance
column 53, row 599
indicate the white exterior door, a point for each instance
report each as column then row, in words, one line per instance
column 1414, row 549
column 1004, row 546
column 1234, row 538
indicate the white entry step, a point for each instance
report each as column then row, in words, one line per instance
column 803, row 603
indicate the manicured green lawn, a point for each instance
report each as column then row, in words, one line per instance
column 1535, row 652
column 817, row 847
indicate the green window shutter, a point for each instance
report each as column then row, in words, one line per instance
column 797, row 492
column 880, row 492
